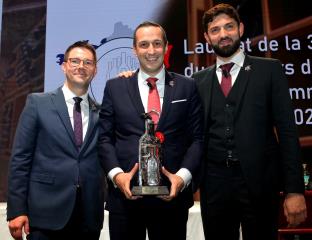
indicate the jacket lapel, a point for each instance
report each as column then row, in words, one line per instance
column 205, row 90
column 243, row 80
column 58, row 100
column 93, row 119
column 170, row 88
column 134, row 93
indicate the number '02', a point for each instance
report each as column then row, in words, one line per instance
column 301, row 115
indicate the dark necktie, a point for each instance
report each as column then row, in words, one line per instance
column 77, row 121
column 226, row 80
column 153, row 104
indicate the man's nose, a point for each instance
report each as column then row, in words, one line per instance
column 151, row 49
column 81, row 64
column 223, row 32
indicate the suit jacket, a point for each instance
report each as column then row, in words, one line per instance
column 46, row 164
column 267, row 159
column 122, row 125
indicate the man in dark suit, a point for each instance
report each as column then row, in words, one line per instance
column 55, row 186
column 251, row 143
column 122, row 125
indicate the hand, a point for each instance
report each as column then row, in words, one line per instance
column 126, row 74
column 122, row 180
column 295, row 209
column 177, row 184
column 16, row 226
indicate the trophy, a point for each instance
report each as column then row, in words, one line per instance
column 150, row 156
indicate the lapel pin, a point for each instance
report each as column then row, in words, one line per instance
column 93, row 106
column 248, row 68
column 171, row 83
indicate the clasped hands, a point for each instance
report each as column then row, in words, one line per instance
column 122, row 180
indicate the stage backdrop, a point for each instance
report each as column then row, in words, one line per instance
column 109, row 26
column 35, row 34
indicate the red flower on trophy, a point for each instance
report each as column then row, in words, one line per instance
column 160, row 136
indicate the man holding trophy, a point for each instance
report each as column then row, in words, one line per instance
column 150, row 144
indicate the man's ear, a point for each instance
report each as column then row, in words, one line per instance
column 134, row 51
column 95, row 71
column 166, row 47
column 63, row 67
column 241, row 29
column 207, row 38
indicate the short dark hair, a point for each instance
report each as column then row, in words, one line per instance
column 213, row 12
column 149, row 24
column 80, row 44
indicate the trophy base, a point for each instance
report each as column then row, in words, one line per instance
column 149, row 190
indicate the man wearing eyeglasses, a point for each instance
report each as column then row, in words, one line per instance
column 55, row 182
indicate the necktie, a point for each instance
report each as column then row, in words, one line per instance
column 77, row 121
column 226, row 80
column 153, row 104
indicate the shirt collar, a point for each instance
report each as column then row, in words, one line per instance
column 69, row 95
column 237, row 59
column 160, row 76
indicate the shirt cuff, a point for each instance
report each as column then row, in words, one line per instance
column 112, row 173
column 186, row 175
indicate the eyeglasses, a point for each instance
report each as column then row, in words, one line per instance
column 75, row 62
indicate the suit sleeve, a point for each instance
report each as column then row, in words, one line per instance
column 106, row 142
column 283, row 117
column 21, row 160
column 193, row 156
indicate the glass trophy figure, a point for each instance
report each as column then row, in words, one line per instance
column 150, row 154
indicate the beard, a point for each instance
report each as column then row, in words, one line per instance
column 226, row 51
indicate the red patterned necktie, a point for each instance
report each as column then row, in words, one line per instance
column 77, row 121
column 153, row 104
column 226, row 80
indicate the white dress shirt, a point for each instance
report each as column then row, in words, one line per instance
column 184, row 173
column 84, row 104
column 237, row 59
column 144, row 88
